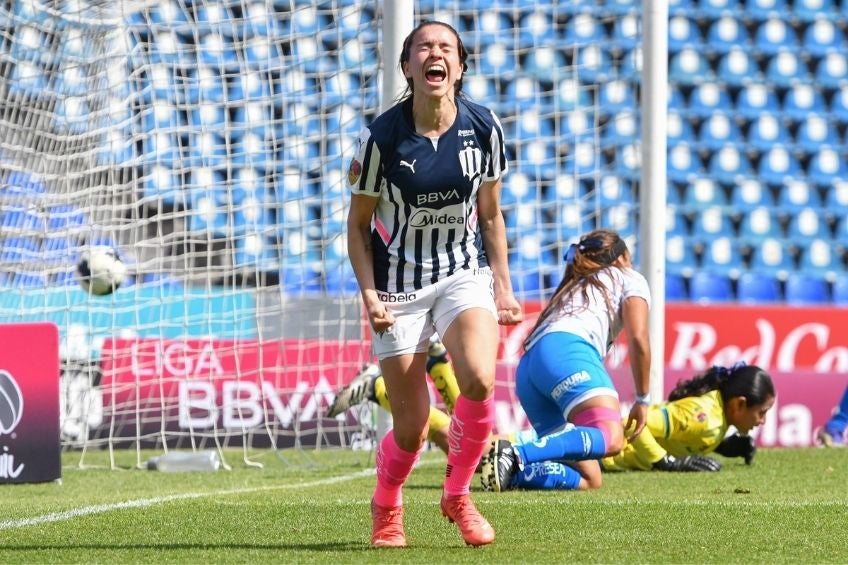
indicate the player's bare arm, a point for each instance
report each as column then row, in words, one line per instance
column 362, row 259
column 493, row 230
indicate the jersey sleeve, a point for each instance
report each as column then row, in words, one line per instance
column 365, row 173
column 498, row 165
column 636, row 285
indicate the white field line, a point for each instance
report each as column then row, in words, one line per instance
column 145, row 502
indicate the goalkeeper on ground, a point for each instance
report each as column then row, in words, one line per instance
column 678, row 436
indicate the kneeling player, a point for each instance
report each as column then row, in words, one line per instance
column 677, row 437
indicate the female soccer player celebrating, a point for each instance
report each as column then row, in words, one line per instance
column 561, row 379
column 427, row 243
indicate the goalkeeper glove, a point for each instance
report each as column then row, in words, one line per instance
column 738, row 446
column 688, row 463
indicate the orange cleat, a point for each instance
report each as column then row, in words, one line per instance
column 475, row 529
column 387, row 526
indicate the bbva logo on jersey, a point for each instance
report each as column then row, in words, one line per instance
column 471, row 159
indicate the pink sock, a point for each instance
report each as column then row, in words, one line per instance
column 468, row 437
column 393, row 468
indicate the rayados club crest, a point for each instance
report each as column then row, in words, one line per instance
column 471, row 159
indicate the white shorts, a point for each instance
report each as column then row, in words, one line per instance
column 420, row 313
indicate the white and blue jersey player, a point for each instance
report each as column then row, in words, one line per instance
column 561, row 381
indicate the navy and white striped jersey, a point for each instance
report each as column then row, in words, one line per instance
column 425, row 224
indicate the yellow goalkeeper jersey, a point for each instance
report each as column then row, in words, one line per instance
column 691, row 425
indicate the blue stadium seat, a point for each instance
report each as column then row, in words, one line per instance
column 259, row 20
column 204, row 83
column 714, row 9
column 812, row 10
column 209, row 116
column 839, row 105
column 832, row 70
column 572, row 220
column 214, row 51
column 680, row 257
column 759, row 223
column 678, row 129
column 773, row 36
column 758, row 288
column 530, row 125
column 522, row 93
column 835, row 201
column 702, row 192
column 356, row 56
column 621, row 218
column 251, row 213
column 683, row 163
column 486, row 27
column 726, row 33
column 708, row 98
column 777, row 165
column 250, row 85
column 817, row 257
column 622, row 128
column 19, row 250
column 826, row 167
column 626, row 32
column 627, row 162
column 539, row 158
column 161, row 184
column 806, row 290
column 755, row 100
column 770, row 256
column 761, row 10
column 582, row 160
column 571, row 94
column 675, row 222
column 840, row 290
column 717, row 131
column 675, row 288
column 785, row 69
column 822, row 37
column 805, row 225
column 749, row 194
column 631, row 65
column 209, row 212
column 612, row 189
column 354, row 20
column 251, row 117
column 682, row 33
column 766, row 132
column 689, row 66
column 722, row 255
column 262, row 53
column 737, row 67
column 710, row 223
column 797, row 195
column 729, row 164
column 495, row 60
column 706, row 287
column 681, row 6
column 802, row 100
column 595, row 64
column 300, row 279
column 616, row 96
column 256, row 253
column 583, row 29
column 536, row 28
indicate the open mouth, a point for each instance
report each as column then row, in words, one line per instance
column 435, row 73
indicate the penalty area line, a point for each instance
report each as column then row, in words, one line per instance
column 146, row 502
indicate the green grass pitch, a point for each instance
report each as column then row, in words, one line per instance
column 791, row 506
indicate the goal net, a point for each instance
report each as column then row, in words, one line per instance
column 207, row 142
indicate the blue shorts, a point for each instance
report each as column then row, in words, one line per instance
column 557, row 373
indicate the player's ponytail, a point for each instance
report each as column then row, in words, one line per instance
column 596, row 251
column 748, row 381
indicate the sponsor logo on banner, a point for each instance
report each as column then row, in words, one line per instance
column 11, row 412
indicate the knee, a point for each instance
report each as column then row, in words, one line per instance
column 409, row 440
column 615, row 440
column 477, row 386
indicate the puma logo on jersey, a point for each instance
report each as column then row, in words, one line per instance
column 410, row 165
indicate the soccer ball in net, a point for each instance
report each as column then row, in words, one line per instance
column 101, row 271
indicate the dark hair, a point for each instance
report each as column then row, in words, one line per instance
column 595, row 251
column 748, row 381
column 407, row 46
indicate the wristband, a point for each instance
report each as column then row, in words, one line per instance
column 643, row 399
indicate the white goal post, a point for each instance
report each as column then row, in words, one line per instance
column 208, row 143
